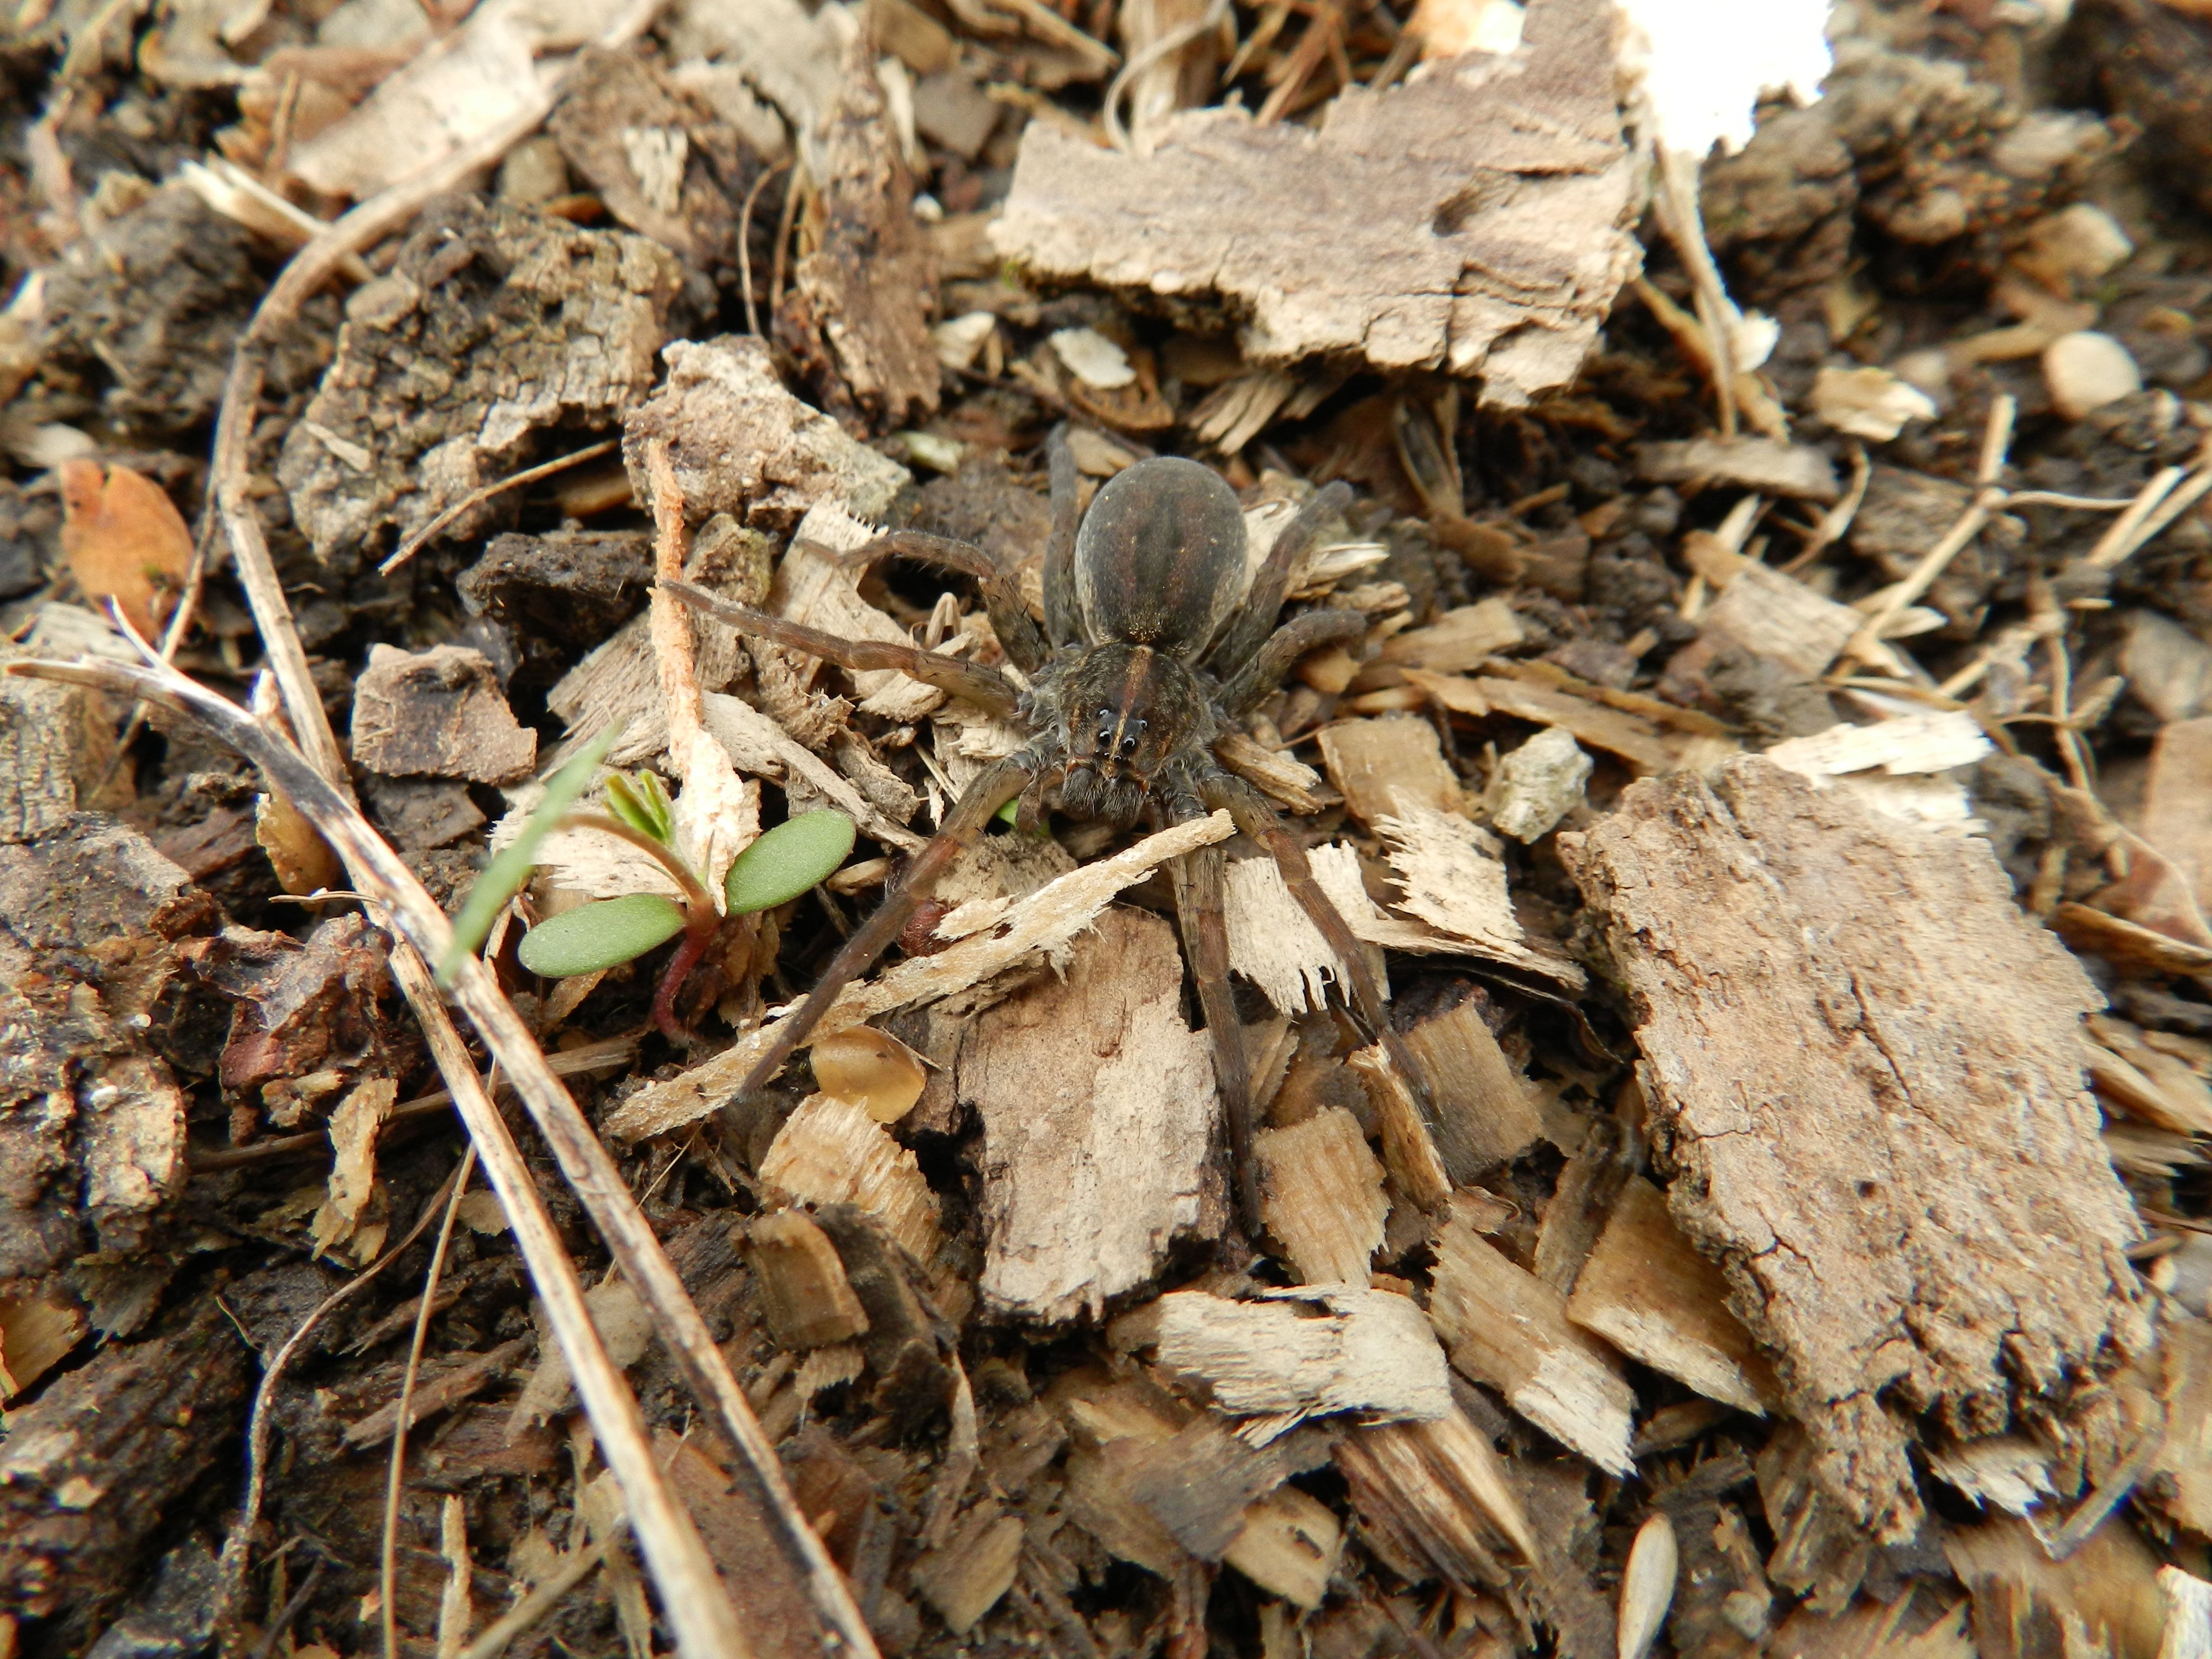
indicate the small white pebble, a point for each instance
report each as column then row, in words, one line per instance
column 1539, row 784
column 960, row 341
column 1093, row 358
column 2086, row 371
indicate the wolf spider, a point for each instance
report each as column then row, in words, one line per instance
column 1145, row 663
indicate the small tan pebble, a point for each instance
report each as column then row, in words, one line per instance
column 1539, row 784
column 2086, row 371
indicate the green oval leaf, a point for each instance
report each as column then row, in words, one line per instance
column 600, row 934
column 503, row 877
column 788, row 860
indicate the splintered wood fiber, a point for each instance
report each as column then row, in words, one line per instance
column 1863, row 1069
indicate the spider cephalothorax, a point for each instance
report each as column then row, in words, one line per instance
column 1145, row 661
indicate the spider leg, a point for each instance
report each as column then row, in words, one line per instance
column 1198, row 887
column 1009, row 617
column 1063, row 622
column 992, row 789
column 1257, row 615
column 1258, row 820
column 1301, row 634
column 986, row 688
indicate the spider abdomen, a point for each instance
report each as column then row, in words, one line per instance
column 1160, row 561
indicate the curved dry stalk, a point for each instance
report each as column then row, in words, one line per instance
column 387, row 1572
column 414, row 544
column 693, row 1596
column 231, row 1573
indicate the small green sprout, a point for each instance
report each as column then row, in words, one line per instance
column 504, row 876
column 788, row 860
column 779, row 865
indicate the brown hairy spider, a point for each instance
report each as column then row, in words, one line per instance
column 1145, row 661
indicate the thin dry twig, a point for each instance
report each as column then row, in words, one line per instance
column 745, row 243
column 525, row 1615
column 388, row 1560
column 238, row 1543
column 1866, row 644
column 529, row 475
column 690, row 1587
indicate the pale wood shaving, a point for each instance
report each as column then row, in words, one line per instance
column 810, row 589
column 1044, row 922
column 1099, row 1116
column 831, row 1152
column 1506, row 1327
column 1372, row 1352
column 1321, row 1195
column 1272, row 940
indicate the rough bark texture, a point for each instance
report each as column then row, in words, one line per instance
column 493, row 323
column 1472, row 220
column 858, row 315
column 92, row 1122
column 88, row 1468
column 1863, row 1063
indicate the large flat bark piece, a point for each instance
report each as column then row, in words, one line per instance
column 1098, row 1108
column 1476, row 219
column 1863, row 1064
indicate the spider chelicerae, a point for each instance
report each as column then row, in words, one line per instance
column 1145, row 661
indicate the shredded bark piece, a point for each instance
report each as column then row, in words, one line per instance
column 1851, row 1037
column 1475, row 220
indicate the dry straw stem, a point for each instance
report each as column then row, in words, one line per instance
column 706, row 1623
column 1996, row 438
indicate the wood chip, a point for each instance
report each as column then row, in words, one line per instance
column 1507, row 282
column 1290, row 1546
column 831, row 1152
column 1457, row 641
column 1283, row 777
column 1454, row 880
column 1771, row 615
column 1437, row 1498
column 1765, row 465
column 1484, row 1114
column 438, row 714
column 1098, row 1110
column 1648, row 1292
column 964, row 1580
column 741, row 444
column 2183, row 1464
column 805, row 1293
column 1506, row 1327
column 1372, row 1352
column 859, row 309
column 1388, row 766
column 2177, row 810
column 2006, row 1470
column 1594, row 725
column 1272, row 940
column 1320, row 1193
column 1816, row 993
column 1043, row 922
column 2106, row 1592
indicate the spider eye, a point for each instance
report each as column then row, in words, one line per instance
column 1129, row 743
column 1105, row 725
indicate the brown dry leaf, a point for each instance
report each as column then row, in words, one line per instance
column 870, row 1068
column 125, row 541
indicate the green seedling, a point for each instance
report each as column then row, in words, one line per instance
column 781, row 865
column 788, row 860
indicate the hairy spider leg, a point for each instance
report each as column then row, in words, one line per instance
column 1255, row 818
column 990, row 789
column 1242, row 691
column 1010, row 619
column 1198, row 880
column 1254, row 620
column 986, row 688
